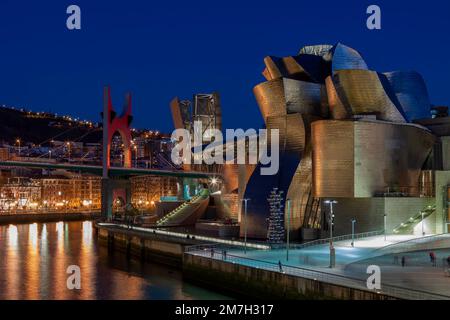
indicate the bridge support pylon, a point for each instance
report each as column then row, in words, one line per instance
column 115, row 124
column 107, row 199
column 112, row 189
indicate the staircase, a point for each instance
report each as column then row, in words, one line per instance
column 187, row 213
column 408, row 226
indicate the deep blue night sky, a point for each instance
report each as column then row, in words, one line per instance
column 160, row 49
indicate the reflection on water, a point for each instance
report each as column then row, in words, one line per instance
column 34, row 259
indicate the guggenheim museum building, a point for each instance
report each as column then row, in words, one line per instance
column 370, row 141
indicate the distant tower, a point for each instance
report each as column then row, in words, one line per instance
column 112, row 124
column 204, row 108
column 207, row 110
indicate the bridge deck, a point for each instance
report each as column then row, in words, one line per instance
column 113, row 171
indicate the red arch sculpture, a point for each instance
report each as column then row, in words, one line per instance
column 112, row 124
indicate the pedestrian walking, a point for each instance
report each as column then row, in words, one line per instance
column 433, row 258
column 224, row 254
column 212, row 252
column 280, row 266
column 448, row 261
column 403, row 261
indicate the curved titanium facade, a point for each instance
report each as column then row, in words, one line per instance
column 258, row 189
column 305, row 67
column 280, row 96
column 293, row 177
column 343, row 57
column 410, row 92
column 337, row 109
column 284, row 67
column 362, row 92
column 355, row 159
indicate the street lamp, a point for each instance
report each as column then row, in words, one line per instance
column 49, row 154
column 353, row 231
column 288, row 227
column 214, row 182
column 68, row 147
column 331, row 218
column 18, row 142
column 385, row 224
column 423, row 230
column 135, row 155
column 245, row 224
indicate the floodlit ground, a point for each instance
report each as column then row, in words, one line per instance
column 352, row 262
column 377, row 241
column 419, row 273
column 319, row 256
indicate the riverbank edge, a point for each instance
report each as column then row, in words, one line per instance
column 226, row 277
column 47, row 217
column 144, row 246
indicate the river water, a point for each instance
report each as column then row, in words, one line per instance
column 34, row 259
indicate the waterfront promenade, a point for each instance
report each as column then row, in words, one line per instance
column 418, row 279
column 312, row 262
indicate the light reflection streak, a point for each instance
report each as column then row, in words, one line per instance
column 12, row 256
column 44, row 233
column 33, row 235
column 87, row 233
column 87, row 264
column 32, row 278
column 60, row 265
column 13, row 236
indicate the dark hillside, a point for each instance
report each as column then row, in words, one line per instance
column 40, row 127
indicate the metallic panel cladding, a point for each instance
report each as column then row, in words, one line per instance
column 343, row 57
column 333, row 159
column 365, row 158
column 362, row 92
column 280, row 96
column 304, row 67
column 293, row 177
column 258, row 190
column 410, row 92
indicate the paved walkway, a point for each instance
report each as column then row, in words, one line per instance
column 319, row 256
column 419, row 272
column 351, row 266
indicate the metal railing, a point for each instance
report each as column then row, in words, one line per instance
column 440, row 241
column 412, row 221
column 218, row 252
column 421, row 261
column 335, row 239
column 398, row 191
column 231, row 243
